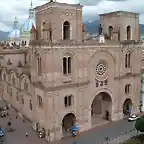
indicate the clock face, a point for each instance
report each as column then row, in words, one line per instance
column 101, row 68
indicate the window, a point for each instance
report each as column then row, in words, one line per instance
column 39, row 66
column 110, row 31
column 67, row 65
column 127, row 60
column 4, row 76
column 66, row 30
column 127, row 88
column 13, row 80
column 128, row 29
column 39, row 101
column 17, row 96
column 10, row 92
column 30, row 105
column 22, row 100
column 68, row 100
column 25, row 86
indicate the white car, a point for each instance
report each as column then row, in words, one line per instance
column 133, row 118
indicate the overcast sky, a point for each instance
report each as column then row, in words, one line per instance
column 19, row 8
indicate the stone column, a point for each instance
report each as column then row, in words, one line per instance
column 142, row 94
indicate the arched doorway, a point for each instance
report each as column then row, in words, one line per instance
column 67, row 123
column 128, row 29
column 110, row 31
column 127, row 106
column 101, row 109
column 66, row 30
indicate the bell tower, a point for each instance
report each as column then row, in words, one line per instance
column 65, row 20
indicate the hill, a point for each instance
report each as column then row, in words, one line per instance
column 92, row 27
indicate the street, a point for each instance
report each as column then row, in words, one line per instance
column 97, row 135
column 94, row 136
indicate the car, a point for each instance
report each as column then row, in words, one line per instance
column 133, row 118
column 1, row 132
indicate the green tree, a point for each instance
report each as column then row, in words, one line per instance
column 140, row 127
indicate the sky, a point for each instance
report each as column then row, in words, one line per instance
column 9, row 9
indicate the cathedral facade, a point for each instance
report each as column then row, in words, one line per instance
column 64, row 78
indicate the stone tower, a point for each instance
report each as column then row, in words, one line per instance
column 121, row 25
column 59, row 21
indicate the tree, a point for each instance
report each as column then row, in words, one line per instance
column 140, row 127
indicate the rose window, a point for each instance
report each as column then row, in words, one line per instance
column 101, row 68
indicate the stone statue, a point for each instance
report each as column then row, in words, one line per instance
column 100, row 29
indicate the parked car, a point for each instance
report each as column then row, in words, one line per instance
column 1, row 132
column 133, row 118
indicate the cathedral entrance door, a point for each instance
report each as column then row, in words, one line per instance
column 67, row 123
column 127, row 106
column 101, row 109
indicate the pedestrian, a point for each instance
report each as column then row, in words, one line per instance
column 26, row 134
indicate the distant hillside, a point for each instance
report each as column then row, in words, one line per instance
column 92, row 27
column 3, row 35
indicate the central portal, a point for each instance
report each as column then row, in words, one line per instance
column 101, row 109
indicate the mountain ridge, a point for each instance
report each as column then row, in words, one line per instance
column 91, row 28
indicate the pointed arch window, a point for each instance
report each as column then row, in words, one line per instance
column 39, row 68
column 67, row 65
column 66, row 30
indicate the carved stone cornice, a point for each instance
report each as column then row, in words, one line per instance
column 127, row 76
column 56, row 88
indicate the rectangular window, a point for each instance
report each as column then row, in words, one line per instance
column 69, row 65
column 128, row 61
column 64, row 65
column 69, row 100
column 39, row 98
column 65, row 101
column 30, row 105
column 126, row 57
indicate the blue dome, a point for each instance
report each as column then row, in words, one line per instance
column 27, row 26
column 14, row 34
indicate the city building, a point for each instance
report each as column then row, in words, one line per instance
column 64, row 78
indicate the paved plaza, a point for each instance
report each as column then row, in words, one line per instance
column 94, row 136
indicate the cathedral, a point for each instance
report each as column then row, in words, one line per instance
column 55, row 76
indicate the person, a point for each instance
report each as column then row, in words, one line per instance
column 26, row 134
column 2, row 142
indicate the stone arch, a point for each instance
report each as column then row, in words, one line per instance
column 104, row 51
column 68, row 122
column 95, row 59
column 66, row 30
column 128, row 30
column 12, row 75
column 100, row 106
column 110, row 32
column 127, row 106
column 24, row 78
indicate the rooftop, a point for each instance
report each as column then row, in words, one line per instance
column 119, row 12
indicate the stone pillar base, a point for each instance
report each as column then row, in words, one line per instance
column 117, row 116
